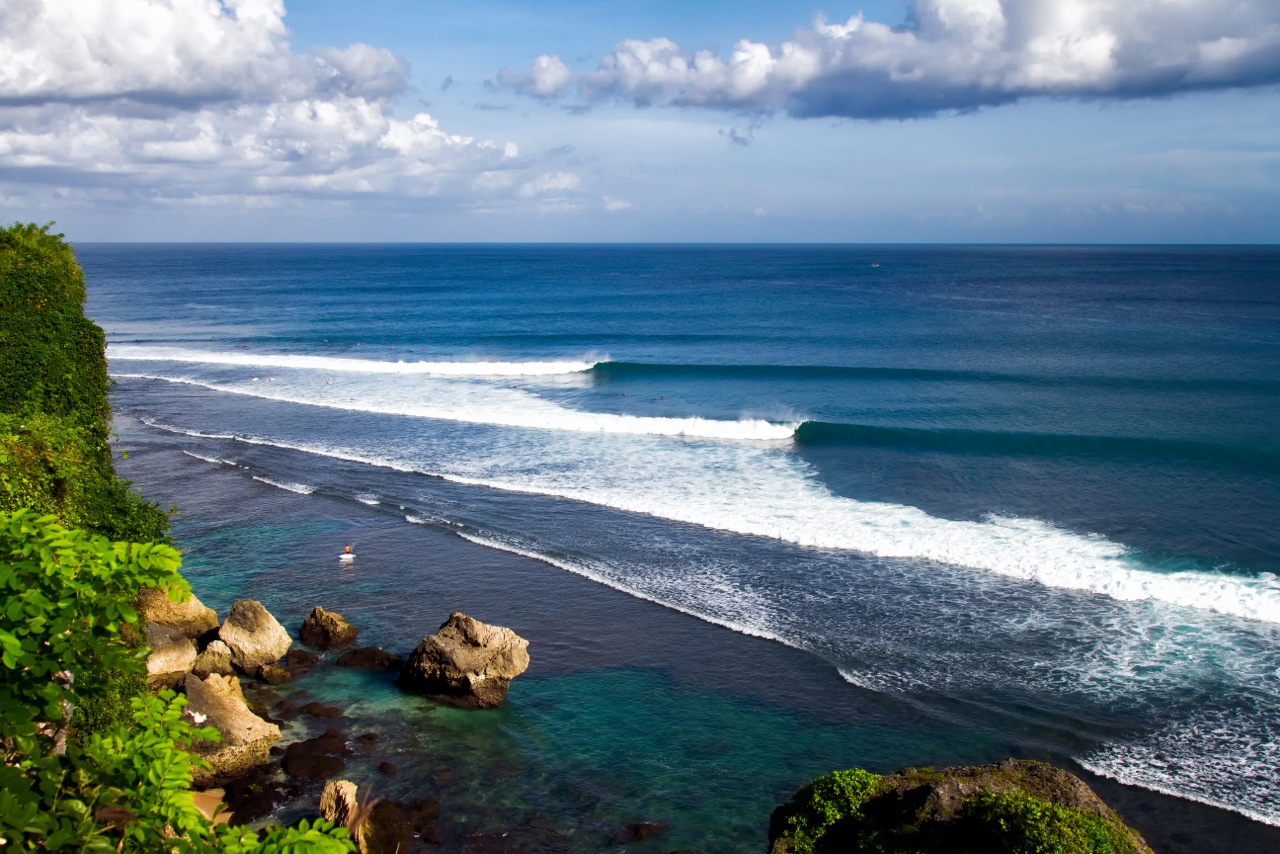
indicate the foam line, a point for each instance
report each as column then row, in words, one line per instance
column 335, row 364
column 299, row 488
column 503, row 408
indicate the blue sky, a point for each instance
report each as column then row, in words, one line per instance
column 889, row 121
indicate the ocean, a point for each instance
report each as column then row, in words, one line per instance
column 762, row 511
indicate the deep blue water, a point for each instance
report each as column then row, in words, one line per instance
column 1028, row 492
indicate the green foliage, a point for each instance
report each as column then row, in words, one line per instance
column 813, row 809
column 54, row 453
column 1018, row 823
column 64, row 597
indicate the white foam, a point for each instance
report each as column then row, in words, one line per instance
column 485, row 404
column 334, row 364
column 366, row 498
column 300, row 488
column 202, row 458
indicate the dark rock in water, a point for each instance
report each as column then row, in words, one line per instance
column 638, row 831
column 320, row 710
column 316, row 758
column 255, row 796
column 327, row 630
column 254, row 636
column 372, row 658
column 273, row 675
column 393, row 826
column 368, row 738
column 466, row 663
column 301, row 658
column 963, row 810
column 387, row 768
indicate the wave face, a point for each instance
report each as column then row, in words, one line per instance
column 1013, row 489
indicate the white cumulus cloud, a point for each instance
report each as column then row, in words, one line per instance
column 205, row 99
column 954, row 55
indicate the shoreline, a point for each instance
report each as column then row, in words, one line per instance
column 507, row 589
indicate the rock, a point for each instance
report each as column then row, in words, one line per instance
column 257, row 795
column 637, row 831
column 929, row 810
column 190, row 619
column 254, row 636
column 368, row 738
column 467, row 663
column 216, row 658
column 387, row 768
column 392, row 826
column 273, row 675
column 372, row 658
column 320, row 710
column 172, row 655
column 246, row 738
column 316, row 758
column 299, row 660
column 327, row 630
column 338, row 802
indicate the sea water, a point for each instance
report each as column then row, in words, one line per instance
column 988, row 500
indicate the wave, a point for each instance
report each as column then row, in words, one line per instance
column 1052, row 445
column 299, row 488
column 756, row 491
column 608, row 371
column 334, row 364
column 215, row 460
column 501, row 407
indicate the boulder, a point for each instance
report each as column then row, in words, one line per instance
column 191, row 618
column 338, row 802
column 217, row 701
column 172, row 655
column 466, row 663
column 216, row 658
column 274, row 675
column 316, row 758
column 967, row 808
column 254, row 636
column 371, row 658
column 327, row 630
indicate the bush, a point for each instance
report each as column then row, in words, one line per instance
column 64, row 596
column 827, row 800
column 1018, row 823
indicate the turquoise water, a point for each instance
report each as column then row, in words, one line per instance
column 1026, row 494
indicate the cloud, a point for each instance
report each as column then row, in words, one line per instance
column 953, row 55
column 205, row 99
column 548, row 76
column 613, row 204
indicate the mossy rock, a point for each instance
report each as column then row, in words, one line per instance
column 1017, row 807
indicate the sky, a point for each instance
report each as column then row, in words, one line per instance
column 882, row 121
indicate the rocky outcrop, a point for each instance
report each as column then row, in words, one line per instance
column 338, row 802
column 191, row 618
column 466, row 663
column 216, row 658
column 254, row 636
column 172, row 655
column 954, row 810
column 370, row 658
column 316, row 758
column 327, row 630
column 217, row 701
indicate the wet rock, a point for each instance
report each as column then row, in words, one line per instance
column 216, row 658
column 172, row 655
column 637, row 831
column 274, row 675
column 320, row 710
column 254, row 636
column 368, row 738
column 338, row 802
column 257, row 795
column 386, row 768
column 316, row 758
column 466, row 663
column 191, row 618
column 299, row 661
column 327, row 630
column 246, row 738
column 393, row 826
column 371, row 658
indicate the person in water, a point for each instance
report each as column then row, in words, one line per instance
column 347, row 550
